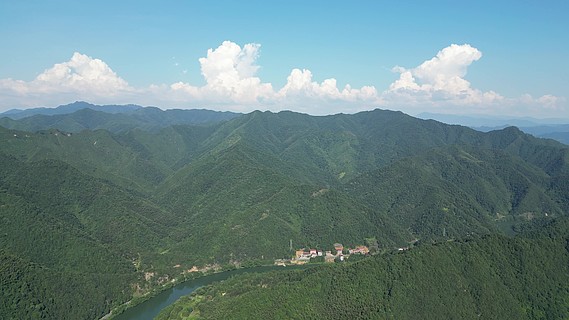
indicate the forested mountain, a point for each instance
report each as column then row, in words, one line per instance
column 81, row 116
column 553, row 128
column 17, row 114
column 488, row 277
column 143, row 200
column 562, row 137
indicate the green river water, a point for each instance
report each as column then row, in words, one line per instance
column 152, row 307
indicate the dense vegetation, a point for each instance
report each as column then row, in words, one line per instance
column 79, row 116
column 488, row 277
column 142, row 203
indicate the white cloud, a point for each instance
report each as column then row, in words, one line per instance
column 439, row 85
column 82, row 77
column 230, row 75
column 231, row 83
column 307, row 95
column 546, row 105
column 299, row 83
column 440, row 80
column 81, row 73
column 229, row 72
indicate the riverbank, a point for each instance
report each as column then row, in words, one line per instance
column 185, row 277
column 150, row 304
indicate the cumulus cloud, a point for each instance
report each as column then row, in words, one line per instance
column 310, row 96
column 231, row 83
column 81, row 73
column 230, row 75
column 300, row 84
column 440, row 85
column 82, row 77
column 229, row 72
column 440, row 80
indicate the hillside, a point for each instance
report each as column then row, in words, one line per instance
column 553, row 128
column 17, row 114
column 491, row 277
column 62, row 249
column 80, row 116
column 157, row 199
column 460, row 190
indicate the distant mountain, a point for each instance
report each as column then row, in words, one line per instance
column 490, row 121
column 152, row 199
column 559, row 132
column 16, row 114
column 80, row 116
column 553, row 128
column 562, row 137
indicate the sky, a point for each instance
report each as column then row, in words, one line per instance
column 508, row 58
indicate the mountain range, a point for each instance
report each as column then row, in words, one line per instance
column 140, row 196
column 552, row 128
column 80, row 115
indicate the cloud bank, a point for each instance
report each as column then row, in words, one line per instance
column 229, row 72
column 80, row 78
column 231, row 83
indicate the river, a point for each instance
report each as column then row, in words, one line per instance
column 152, row 307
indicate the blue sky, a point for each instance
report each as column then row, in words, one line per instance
column 508, row 58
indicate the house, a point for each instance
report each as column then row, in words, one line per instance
column 339, row 248
column 305, row 255
column 359, row 250
column 313, row 253
column 301, row 260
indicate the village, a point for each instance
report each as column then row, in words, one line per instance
column 340, row 253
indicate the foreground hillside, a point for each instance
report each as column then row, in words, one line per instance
column 145, row 207
column 491, row 277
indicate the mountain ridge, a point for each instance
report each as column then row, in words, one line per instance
column 17, row 114
column 238, row 191
column 80, row 116
column 491, row 277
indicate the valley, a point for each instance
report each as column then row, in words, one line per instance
column 95, row 215
column 489, row 277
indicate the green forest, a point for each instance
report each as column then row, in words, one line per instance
column 486, row 277
column 101, row 206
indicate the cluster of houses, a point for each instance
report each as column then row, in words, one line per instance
column 304, row 255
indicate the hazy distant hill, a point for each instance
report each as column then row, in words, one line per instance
column 153, row 198
column 80, row 116
column 557, row 129
column 491, row 121
column 562, row 137
column 66, row 109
